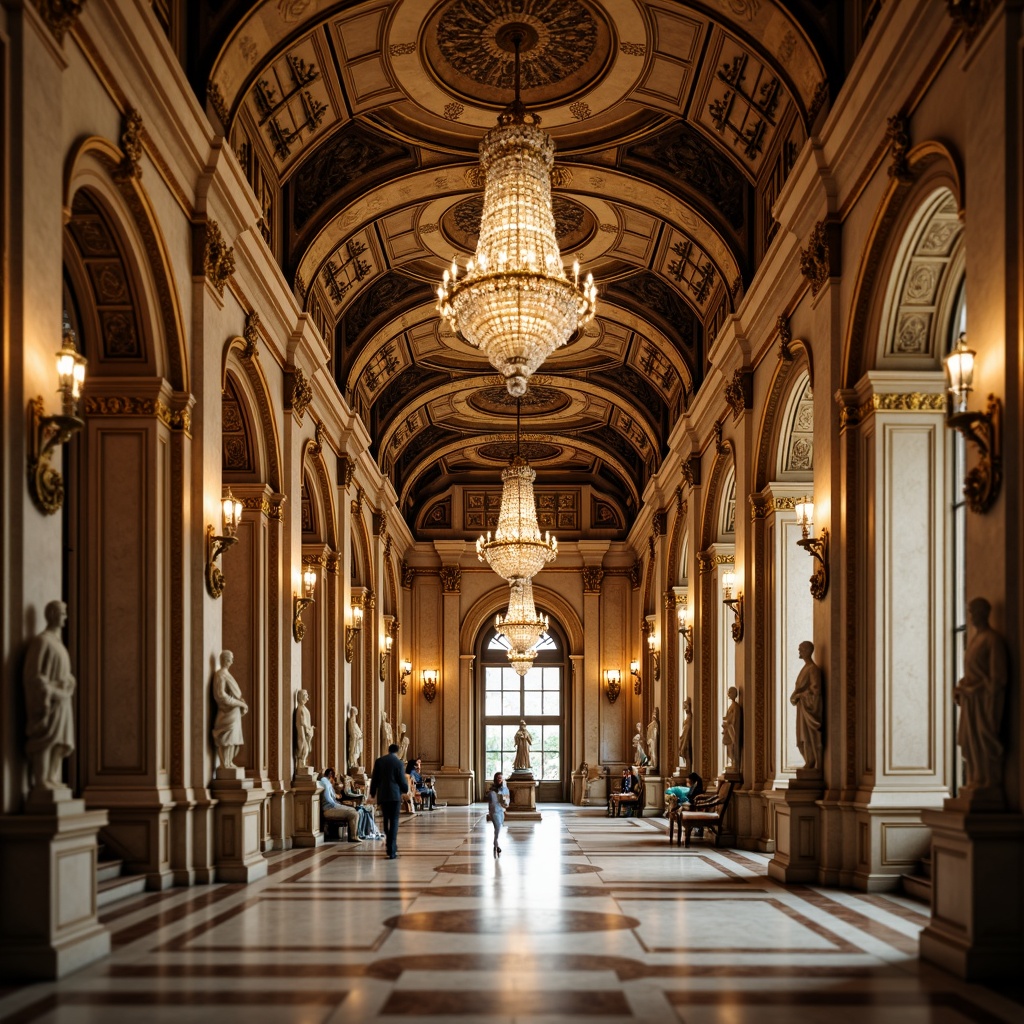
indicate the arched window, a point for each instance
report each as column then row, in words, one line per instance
column 538, row 698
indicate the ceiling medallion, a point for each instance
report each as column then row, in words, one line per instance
column 515, row 301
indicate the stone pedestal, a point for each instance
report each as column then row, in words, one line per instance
column 238, row 855
column 522, row 789
column 48, row 925
column 795, row 825
column 654, row 796
column 976, row 930
column 306, row 808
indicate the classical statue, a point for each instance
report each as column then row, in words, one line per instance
column 303, row 730
column 653, row 735
column 387, row 735
column 49, row 685
column 808, row 698
column 403, row 743
column 731, row 727
column 980, row 695
column 227, row 726
column 639, row 754
column 522, row 741
column 686, row 736
column 355, row 738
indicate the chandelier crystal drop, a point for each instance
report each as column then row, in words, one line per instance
column 521, row 625
column 515, row 301
column 522, row 661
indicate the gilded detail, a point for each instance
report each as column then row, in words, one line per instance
column 814, row 260
column 218, row 257
column 251, row 334
column 913, row 401
column 451, row 578
column 121, row 405
column 131, row 145
column 592, row 576
column 59, row 15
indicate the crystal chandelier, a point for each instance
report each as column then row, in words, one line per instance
column 515, row 301
column 522, row 661
column 521, row 625
column 516, row 550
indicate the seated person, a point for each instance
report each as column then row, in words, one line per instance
column 424, row 787
column 685, row 794
column 629, row 794
column 409, row 798
column 625, row 786
column 331, row 808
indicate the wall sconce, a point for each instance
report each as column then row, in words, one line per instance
column 231, row 509
column 430, row 684
column 634, row 671
column 612, row 684
column 655, row 655
column 686, row 631
column 984, row 429
column 46, row 433
column 300, row 604
column 817, row 546
column 734, row 603
column 384, row 655
column 406, row 673
column 352, row 631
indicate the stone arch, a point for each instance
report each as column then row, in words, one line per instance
column 794, row 449
column 243, row 447
column 495, row 600
column 251, row 383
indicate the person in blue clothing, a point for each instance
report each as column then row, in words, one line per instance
column 685, row 794
column 497, row 801
column 331, row 808
column 428, row 795
column 387, row 784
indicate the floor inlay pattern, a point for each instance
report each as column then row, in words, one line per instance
column 581, row 916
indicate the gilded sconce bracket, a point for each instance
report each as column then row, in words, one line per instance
column 299, row 605
column 215, row 547
column 736, row 606
column 985, row 431
column 46, row 433
column 818, row 548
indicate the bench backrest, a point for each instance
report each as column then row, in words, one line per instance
column 717, row 804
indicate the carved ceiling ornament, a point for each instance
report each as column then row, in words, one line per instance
column 131, row 145
column 897, row 132
column 814, row 260
column 218, row 256
column 592, row 577
column 60, row 15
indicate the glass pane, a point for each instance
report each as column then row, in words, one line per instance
column 492, row 678
column 532, row 704
column 493, row 704
column 497, row 643
column 552, row 703
column 552, row 678
column 547, row 643
column 492, row 737
column 510, row 703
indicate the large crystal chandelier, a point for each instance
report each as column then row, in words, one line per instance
column 515, row 301
column 516, row 550
column 522, row 661
column 521, row 625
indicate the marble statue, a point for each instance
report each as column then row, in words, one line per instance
column 731, row 728
column 808, row 699
column 387, row 735
column 653, row 736
column 227, row 726
column 981, row 695
column 686, row 736
column 403, row 743
column 303, row 730
column 49, row 685
column 639, row 754
column 355, row 738
column 522, row 741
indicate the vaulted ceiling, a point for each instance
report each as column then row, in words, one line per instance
column 675, row 127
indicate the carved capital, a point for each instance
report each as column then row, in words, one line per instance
column 592, row 576
column 60, row 15
column 451, row 579
column 782, row 325
column 346, row 468
column 131, row 145
column 815, row 260
column 691, row 471
column 357, row 503
column 298, row 392
column 897, row 131
column 739, row 391
column 705, row 561
column 216, row 257
column 380, row 523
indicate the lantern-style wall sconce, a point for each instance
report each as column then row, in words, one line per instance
column 612, row 684
column 384, row 655
column 638, row 680
column 406, row 673
column 300, row 604
column 352, row 631
column 817, row 546
column 46, row 433
column 430, row 684
column 231, row 514
column 686, row 631
column 733, row 603
column 652, row 648
column 983, row 429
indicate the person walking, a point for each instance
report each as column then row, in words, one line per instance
column 497, row 801
column 387, row 784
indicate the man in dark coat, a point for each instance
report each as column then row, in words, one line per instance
column 387, row 784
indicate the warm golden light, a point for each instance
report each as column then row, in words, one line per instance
column 959, row 366
column 728, row 582
column 232, row 513
column 309, row 581
column 805, row 515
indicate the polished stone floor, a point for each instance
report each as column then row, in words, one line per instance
column 581, row 917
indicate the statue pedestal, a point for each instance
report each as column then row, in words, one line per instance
column 794, row 814
column 977, row 926
column 306, row 808
column 522, row 789
column 48, row 888
column 238, row 854
column 654, row 796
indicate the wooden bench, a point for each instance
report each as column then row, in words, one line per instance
column 632, row 802
column 706, row 811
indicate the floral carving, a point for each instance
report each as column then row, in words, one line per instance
column 814, row 260
column 451, row 578
column 218, row 256
column 251, row 334
column 298, row 391
column 131, row 145
column 897, row 131
column 592, row 576
column 60, row 15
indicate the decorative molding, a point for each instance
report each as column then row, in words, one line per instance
column 298, row 392
column 722, row 447
column 314, row 445
column 380, row 523
column 970, row 15
column 817, row 101
column 346, row 470
column 658, row 523
column 216, row 100
column 815, row 260
column 451, row 579
column 691, row 471
column 635, row 574
column 357, row 503
column 705, row 561
column 60, row 15
column 897, row 132
column 218, row 258
column 131, row 145
column 783, row 326
column 250, row 332
column 762, row 506
column 849, row 411
column 739, row 392
column 277, row 510
column 592, row 577
column 911, row 401
column 408, row 574
column 259, row 504
column 125, row 405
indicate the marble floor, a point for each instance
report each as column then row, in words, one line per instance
column 581, row 917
